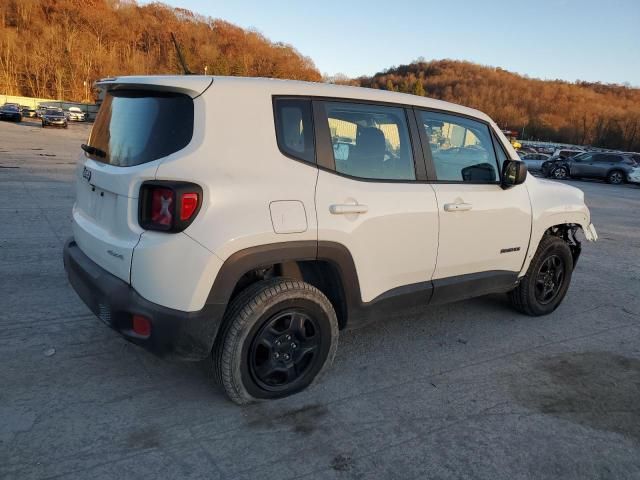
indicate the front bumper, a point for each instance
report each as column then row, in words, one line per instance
column 174, row 333
column 590, row 233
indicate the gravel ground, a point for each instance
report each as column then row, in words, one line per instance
column 469, row 390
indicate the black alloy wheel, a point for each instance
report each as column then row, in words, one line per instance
column 549, row 279
column 278, row 337
column 284, row 350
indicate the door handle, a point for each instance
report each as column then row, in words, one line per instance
column 457, row 207
column 342, row 209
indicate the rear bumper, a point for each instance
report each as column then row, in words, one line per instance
column 174, row 333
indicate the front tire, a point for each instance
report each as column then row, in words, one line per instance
column 560, row 173
column 546, row 283
column 278, row 337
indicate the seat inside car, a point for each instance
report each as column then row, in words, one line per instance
column 368, row 154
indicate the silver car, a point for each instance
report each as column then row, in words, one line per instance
column 612, row 167
column 534, row 161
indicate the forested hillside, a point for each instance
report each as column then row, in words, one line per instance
column 581, row 113
column 50, row 48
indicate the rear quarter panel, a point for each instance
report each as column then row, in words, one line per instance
column 242, row 171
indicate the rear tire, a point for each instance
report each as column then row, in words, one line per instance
column 278, row 337
column 615, row 178
column 546, row 283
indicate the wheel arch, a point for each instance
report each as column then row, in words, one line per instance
column 327, row 266
column 564, row 226
column 619, row 170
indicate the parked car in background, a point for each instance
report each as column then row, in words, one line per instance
column 612, row 167
column 634, row 176
column 634, row 156
column 28, row 111
column 566, row 152
column 40, row 110
column 54, row 117
column 534, row 161
column 548, row 166
column 74, row 114
column 11, row 112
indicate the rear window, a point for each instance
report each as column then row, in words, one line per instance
column 294, row 128
column 135, row 127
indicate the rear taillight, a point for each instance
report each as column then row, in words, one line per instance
column 162, row 200
column 141, row 325
column 168, row 206
column 189, row 205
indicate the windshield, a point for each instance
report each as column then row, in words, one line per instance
column 135, row 127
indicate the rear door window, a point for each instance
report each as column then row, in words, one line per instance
column 370, row 141
column 605, row 158
column 135, row 127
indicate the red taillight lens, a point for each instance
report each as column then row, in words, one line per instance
column 188, row 205
column 141, row 325
column 162, row 204
column 168, row 206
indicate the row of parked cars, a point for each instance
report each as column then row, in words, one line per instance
column 50, row 116
column 614, row 167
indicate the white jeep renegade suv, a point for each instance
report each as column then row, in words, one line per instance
column 253, row 219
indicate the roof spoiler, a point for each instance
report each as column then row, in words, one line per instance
column 192, row 85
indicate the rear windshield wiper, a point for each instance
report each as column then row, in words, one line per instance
column 93, row 150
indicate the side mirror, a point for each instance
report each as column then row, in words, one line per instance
column 514, row 172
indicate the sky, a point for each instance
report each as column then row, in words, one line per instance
column 563, row 39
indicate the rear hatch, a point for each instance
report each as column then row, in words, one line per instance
column 141, row 121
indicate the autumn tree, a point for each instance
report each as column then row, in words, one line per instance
column 389, row 86
column 584, row 113
column 418, row 89
column 55, row 48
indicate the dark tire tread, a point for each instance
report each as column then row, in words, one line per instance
column 242, row 310
column 520, row 297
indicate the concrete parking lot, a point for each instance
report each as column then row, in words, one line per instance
column 469, row 390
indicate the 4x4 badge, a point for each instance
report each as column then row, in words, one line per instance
column 86, row 173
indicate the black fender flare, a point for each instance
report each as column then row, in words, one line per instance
column 259, row 256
